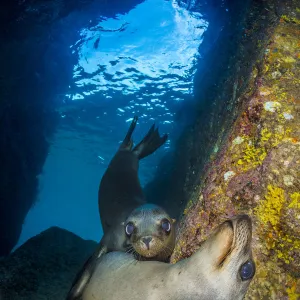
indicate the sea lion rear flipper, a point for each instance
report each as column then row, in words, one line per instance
column 85, row 274
column 150, row 143
column 127, row 142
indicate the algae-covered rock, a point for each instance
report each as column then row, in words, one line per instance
column 257, row 169
column 44, row 267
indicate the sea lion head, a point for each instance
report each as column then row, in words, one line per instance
column 226, row 257
column 150, row 233
column 221, row 269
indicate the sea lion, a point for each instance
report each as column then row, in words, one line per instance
column 129, row 224
column 220, row 270
column 120, row 191
column 150, row 233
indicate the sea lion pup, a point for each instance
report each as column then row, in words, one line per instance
column 220, row 270
column 129, row 224
column 120, row 194
column 150, row 233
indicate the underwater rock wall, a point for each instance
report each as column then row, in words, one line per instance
column 37, row 66
column 254, row 166
column 30, row 61
column 27, row 120
column 218, row 82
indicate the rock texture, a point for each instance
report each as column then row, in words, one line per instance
column 254, row 165
column 28, row 85
column 219, row 80
column 44, row 267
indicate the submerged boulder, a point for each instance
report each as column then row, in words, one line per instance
column 44, row 267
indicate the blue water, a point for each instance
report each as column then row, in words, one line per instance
column 135, row 63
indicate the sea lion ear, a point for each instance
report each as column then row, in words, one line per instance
column 173, row 221
column 122, row 224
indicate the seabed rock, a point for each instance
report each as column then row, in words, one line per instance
column 44, row 267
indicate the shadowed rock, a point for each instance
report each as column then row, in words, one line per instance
column 44, row 267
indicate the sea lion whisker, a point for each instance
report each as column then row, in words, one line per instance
column 131, row 251
column 130, row 246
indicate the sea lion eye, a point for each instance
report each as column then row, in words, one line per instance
column 247, row 270
column 166, row 225
column 129, row 228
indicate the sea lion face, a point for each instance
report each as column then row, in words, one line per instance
column 150, row 232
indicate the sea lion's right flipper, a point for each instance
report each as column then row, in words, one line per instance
column 127, row 142
column 150, row 143
column 84, row 275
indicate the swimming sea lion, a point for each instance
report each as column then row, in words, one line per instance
column 120, row 191
column 121, row 196
column 220, row 270
column 129, row 224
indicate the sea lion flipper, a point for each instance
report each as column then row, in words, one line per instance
column 127, row 142
column 150, row 143
column 85, row 274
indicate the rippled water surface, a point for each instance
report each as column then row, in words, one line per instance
column 142, row 54
column 139, row 63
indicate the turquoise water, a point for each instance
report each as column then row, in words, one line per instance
column 134, row 63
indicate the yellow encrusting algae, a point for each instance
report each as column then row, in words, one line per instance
column 269, row 210
column 295, row 201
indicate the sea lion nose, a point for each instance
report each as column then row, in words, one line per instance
column 147, row 241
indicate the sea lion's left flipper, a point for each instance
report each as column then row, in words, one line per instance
column 85, row 274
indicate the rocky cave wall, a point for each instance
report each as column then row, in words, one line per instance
column 244, row 157
column 35, row 39
column 27, row 120
column 218, row 82
column 31, row 56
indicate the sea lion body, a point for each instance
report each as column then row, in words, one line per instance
column 120, row 191
column 220, row 270
column 120, row 194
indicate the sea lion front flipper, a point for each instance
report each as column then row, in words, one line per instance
column 85, row 274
